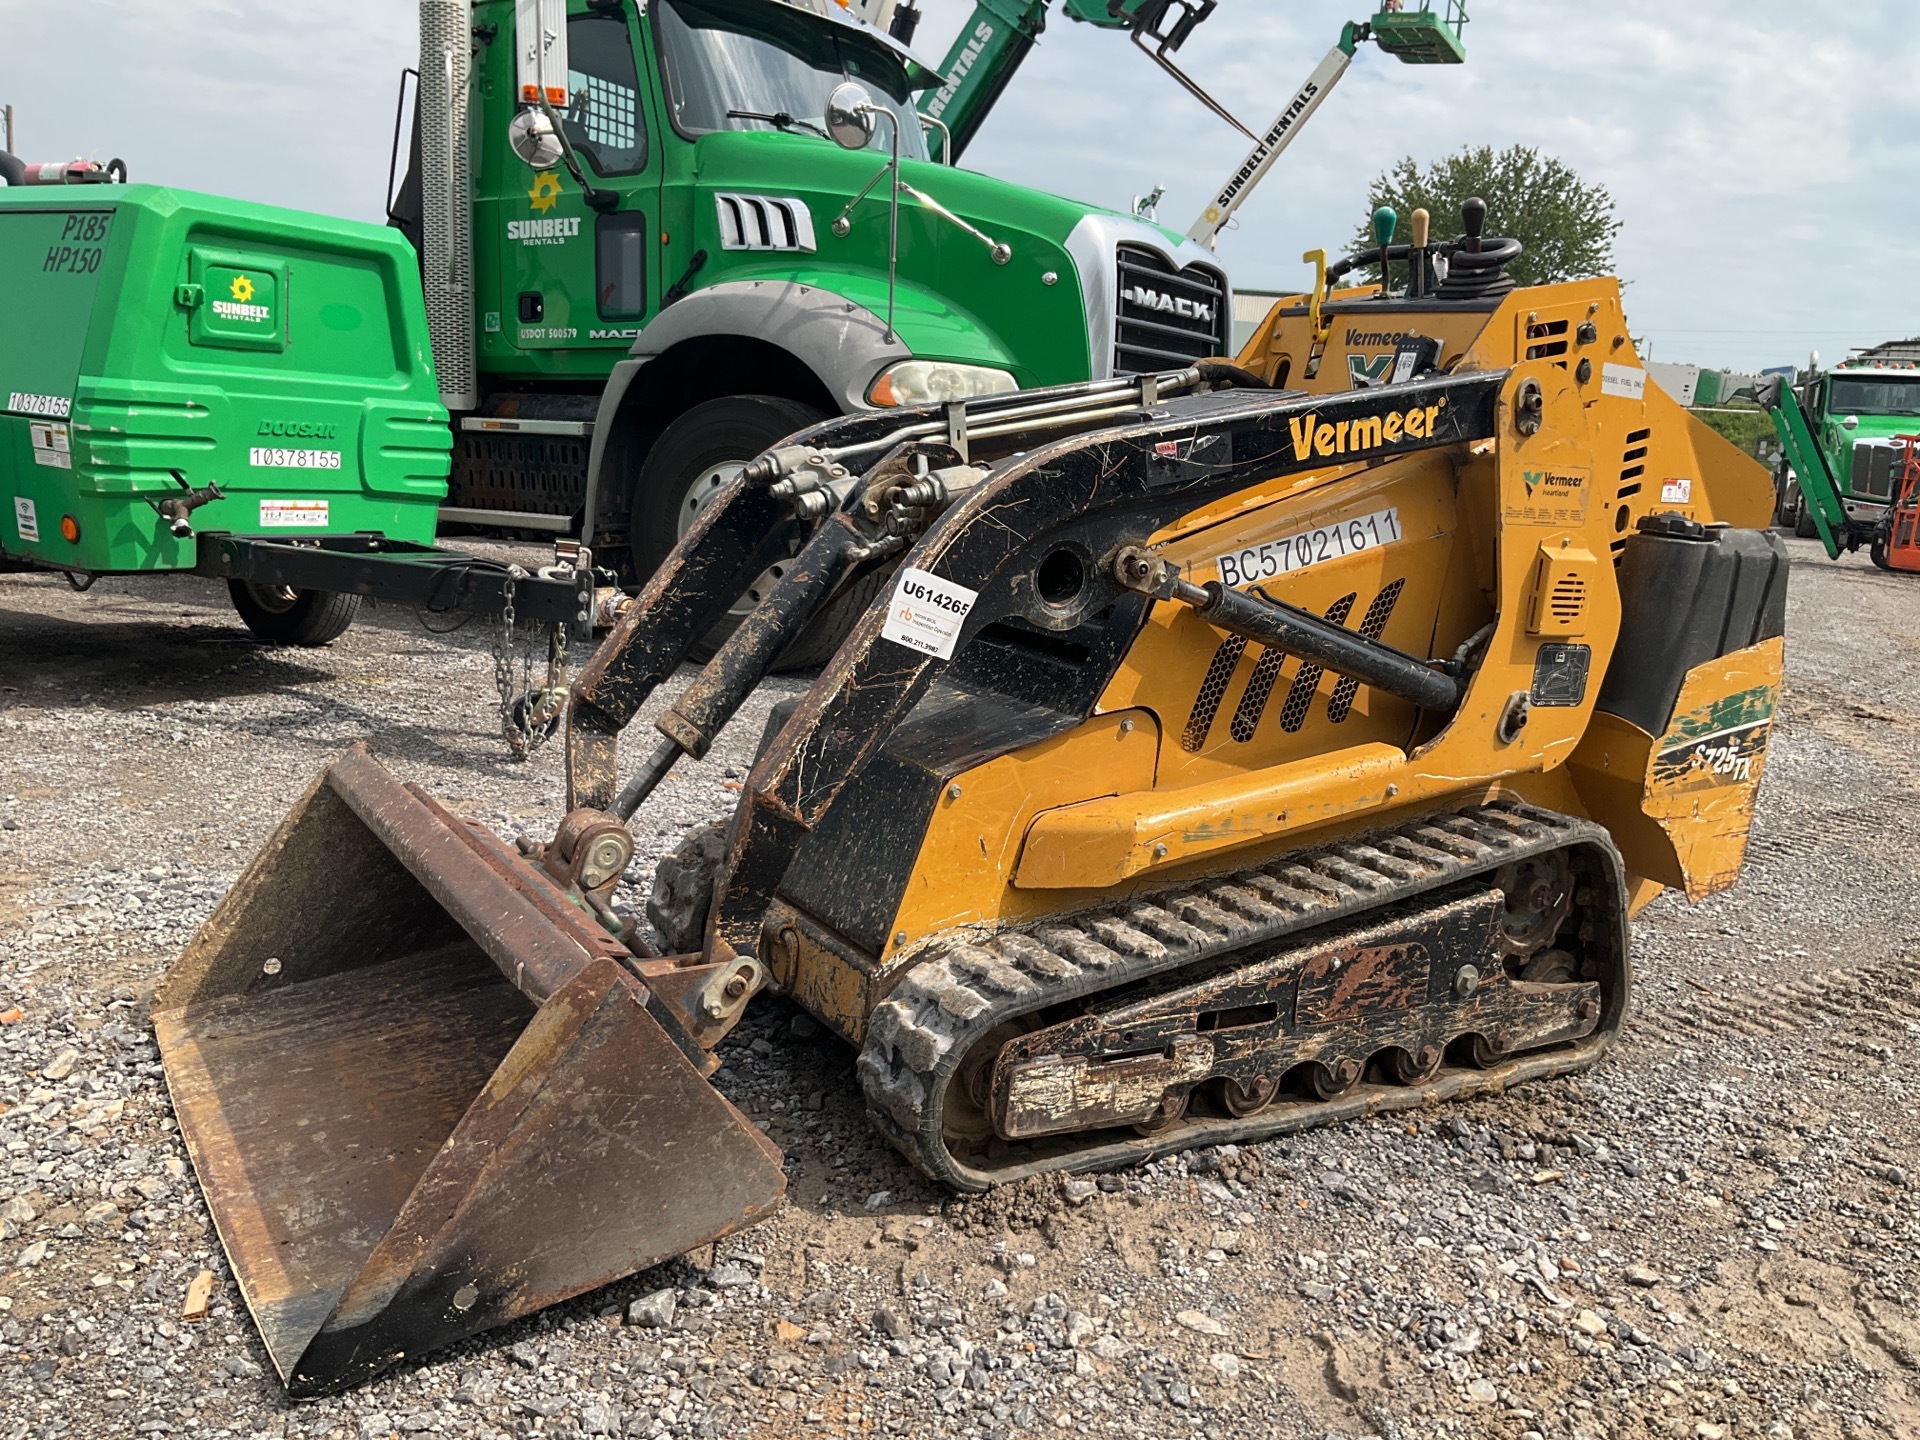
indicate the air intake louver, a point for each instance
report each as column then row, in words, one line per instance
column 764, row 222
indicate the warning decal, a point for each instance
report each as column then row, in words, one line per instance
column 51, row 445
column 293, row 514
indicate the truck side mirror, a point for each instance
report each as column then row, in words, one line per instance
column 1851, row 422
column 531, row 136
column 849, row 117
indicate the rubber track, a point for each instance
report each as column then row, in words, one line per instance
column 965, row 984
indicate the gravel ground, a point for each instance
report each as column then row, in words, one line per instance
column 1712, row 1235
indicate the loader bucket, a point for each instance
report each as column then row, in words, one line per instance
column 423, row 1093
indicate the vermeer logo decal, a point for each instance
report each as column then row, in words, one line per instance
column 1315, row 440
column 1551, row 497
column 1547, row 480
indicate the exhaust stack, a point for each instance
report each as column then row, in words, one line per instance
column 446, row 195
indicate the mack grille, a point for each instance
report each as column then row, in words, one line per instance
column 1166, row 318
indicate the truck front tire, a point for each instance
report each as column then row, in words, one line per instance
column 282, row 615
column 691, row 462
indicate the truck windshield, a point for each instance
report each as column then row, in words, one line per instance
column 1876, row 395
column 733, row 65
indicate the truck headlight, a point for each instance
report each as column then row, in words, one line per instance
column 935, row 382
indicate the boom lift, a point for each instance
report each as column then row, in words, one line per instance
column 1420, row 36
column 1229, row 750
column 995, row 42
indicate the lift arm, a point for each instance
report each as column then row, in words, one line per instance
column 989, row 49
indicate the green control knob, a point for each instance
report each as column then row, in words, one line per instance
column 1384, row 223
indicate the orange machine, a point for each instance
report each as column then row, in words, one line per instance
column 1897, row 546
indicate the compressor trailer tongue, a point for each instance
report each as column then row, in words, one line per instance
column 1091, row 854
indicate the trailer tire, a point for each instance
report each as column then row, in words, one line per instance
column 1803, row 525
column 814, row 646
column 282, row 615
column 690, row 461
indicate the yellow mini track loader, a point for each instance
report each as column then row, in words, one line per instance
column 1233, row 749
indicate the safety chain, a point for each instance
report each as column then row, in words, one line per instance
column 529, row 715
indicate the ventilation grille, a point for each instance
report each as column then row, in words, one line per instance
column 1213, row 689
column 530, row 474
column 1632, row 467
column 1546, row 339
column 1372, row 625
column 1875, row 463
column 1266, row 676
column 1567, row 598
column 1560, row 602
column 446, row 189
column 1166, row 318
column 1253, row 704
column 764, row 222
column 1307, row 679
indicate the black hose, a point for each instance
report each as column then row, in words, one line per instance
column 1228, row 375
column 1479, row 274
column 1281, row 626
column 1471, row 274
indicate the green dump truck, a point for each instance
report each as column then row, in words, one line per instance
column 643, row 259
column 1838, row 469
column 1837, row 429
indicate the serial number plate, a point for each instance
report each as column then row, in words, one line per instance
column 1309, row 547
column 275, row 459
column 58, row 407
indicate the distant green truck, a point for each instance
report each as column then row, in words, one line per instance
column 1838, row 473
column 1837, row 468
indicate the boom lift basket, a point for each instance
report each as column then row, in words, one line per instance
column 425, row 1095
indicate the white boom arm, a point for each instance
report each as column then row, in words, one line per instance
column 877, row 13
column 1267, row 149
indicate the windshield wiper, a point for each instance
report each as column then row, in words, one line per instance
column 781, row 119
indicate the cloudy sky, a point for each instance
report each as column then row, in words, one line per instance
column 1762, row 154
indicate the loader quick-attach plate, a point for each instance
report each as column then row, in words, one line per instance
column 423, row 1093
